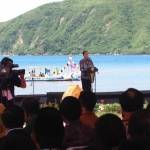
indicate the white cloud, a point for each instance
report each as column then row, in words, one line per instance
column 12, row 8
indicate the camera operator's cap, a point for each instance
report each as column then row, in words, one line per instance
column 5, row 60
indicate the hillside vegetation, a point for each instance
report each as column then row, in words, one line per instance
column 100, row 26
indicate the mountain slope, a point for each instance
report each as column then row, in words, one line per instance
column 100, row 26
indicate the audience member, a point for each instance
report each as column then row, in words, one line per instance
column 16, row 138
column 31, row 108
column 131, row 100
column 139, row 125
column 148, row 107
column 2, row 128
column 2, row 108
column 110, row 133
column 136, row 144
column 88, row 101
column 48, row 131
column 76, row 134
column 81, row 128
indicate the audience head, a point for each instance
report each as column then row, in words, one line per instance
column 139, row 124
column 110, row 130
column 13, row 117
column 31, row 107
column 48, row 128
column 131, row 100
column 87, row 100
column 70, row 108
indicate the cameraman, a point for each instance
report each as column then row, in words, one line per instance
column 9, row 79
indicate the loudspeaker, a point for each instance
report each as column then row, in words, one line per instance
column 54, row 97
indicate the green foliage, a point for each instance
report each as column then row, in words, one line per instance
column 101, row 109
column 100, row 26
column 54, row 105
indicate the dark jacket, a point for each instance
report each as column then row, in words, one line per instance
column 17, row 139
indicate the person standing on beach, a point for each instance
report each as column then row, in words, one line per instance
column 85, row 65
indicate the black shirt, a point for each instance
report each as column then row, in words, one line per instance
column 8, row 83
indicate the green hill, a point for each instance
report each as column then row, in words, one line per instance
column 100, row 26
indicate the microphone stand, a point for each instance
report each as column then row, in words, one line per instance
column 95, row 83
column 32, row 86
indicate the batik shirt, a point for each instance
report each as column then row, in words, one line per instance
column 85, row 64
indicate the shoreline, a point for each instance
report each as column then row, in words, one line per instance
column 79, row 54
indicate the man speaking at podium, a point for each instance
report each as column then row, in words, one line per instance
column 86, row 68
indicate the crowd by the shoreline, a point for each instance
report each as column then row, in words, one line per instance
column 74, row 126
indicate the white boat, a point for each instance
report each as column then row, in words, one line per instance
column 70, row 72
column 53, row 78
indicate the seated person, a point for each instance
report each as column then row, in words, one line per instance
column 88, row 101
column 48, row 130
column 76, row 134
column 139, row 125
column 110, row 133
column 135, row 144
column 16, row 138
column 31, row 108
column 131, row 100
column 2, row 128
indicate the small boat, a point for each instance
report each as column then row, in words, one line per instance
column 50, row 78
column 70, row 72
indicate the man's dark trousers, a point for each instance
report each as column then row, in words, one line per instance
column 86, row 85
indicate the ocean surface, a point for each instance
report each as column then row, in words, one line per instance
column 116, row 73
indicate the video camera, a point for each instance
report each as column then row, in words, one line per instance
column 5, row 71
column 18, row 71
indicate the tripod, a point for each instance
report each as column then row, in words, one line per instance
column 33, row 86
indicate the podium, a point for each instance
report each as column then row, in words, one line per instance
column 92, row 76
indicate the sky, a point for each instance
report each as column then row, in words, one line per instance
column 10, row 9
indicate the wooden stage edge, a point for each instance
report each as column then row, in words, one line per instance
column 106, row 97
